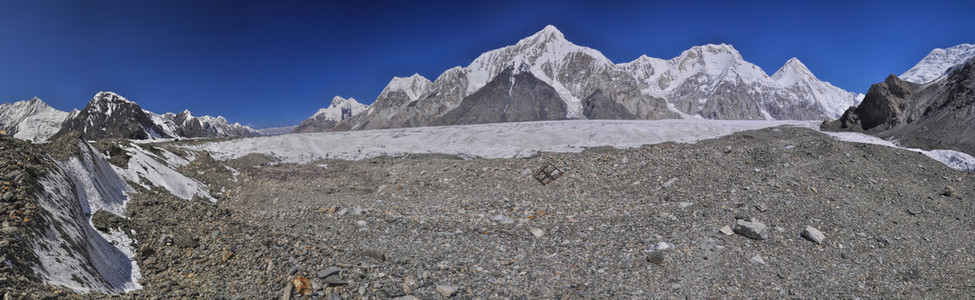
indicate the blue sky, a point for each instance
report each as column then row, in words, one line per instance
column 274, row 63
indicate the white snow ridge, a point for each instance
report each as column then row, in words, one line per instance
column 71, row 252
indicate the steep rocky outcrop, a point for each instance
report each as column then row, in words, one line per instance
column 109, row 115
column 600, row 106
column 937, row 115
column 509, row 97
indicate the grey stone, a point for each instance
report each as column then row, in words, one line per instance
column 447, row 290
column 883, row 240
column 7, row 197
column 948, row 191
column 726, row 230
column 12, row 175
column 326, row 273
column 752, row 230
column 334, row 280
column 184, row 240
column 812, row 234
column 537, row 232
column 378, row 255
column 6, row 228
column 757, row 259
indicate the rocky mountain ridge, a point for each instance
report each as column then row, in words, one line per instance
column 109, row 115
column 935, row 115
column 709, row 81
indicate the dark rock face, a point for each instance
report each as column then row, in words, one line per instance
column 379, row 115
column 884, row 102
column 316, row 124
column 600, row 106
column 509, row 97
column 109, row 115
column 937, row 115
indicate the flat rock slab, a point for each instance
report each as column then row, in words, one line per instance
column 752, row 230
column 813, row 235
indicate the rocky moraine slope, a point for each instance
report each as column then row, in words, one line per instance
column 727, row 217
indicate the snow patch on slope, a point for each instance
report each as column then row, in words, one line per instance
column 956, row 160
column 161, row 172
column 71, row 252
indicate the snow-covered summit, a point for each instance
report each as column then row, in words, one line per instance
column 340, row 109
column 31, row 120
column 792, row 71
column 798, row 79
column 414, row 86
column 547, row 55
column 109, row 96
column 706, row 81
column 937, row 63
column 340, row 106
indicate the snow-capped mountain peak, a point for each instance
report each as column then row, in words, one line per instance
column 937, row 63
column 31, row 120
column 792, row 71
column 110, row 97
column 339, row 107
column 547, row 55
column 711, row 58
column 546, row 35
column 414, row 86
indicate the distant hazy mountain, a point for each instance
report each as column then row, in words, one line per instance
column 109, row 115
column 31, row 120
column 277, row 130
column 710, row 81
column 326, row 118
column 937, row 63
column 935, row 115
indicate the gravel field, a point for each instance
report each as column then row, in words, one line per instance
column 638, row 223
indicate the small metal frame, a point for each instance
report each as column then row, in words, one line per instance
column 548, row 173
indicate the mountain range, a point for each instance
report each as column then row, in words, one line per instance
column 109, row 115
column 546, row 77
